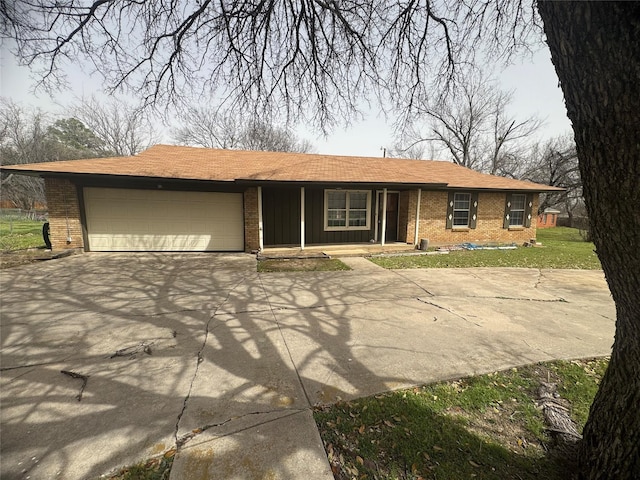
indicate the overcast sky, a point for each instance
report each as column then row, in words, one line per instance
column 535, row 85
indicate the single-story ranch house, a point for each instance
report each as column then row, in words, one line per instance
column 174, row 198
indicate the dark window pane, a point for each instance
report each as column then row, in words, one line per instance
column 358, row 200
column 337, row 199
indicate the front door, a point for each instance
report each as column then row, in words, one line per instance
column 391, row 232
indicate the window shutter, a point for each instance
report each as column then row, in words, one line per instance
column 507, row 211
column 450, row 210
column 473, row 210
column 528, row 207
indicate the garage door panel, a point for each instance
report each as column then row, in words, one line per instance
column 149, row 220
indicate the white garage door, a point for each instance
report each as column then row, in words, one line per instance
column 156, row 220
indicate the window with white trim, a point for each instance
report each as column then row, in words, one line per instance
column 461, row 209
column 516, row 213
column 347, row 209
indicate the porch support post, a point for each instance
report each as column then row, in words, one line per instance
column 384, row 217
column 416, row 240
column 301, row 218
column 260, row 229
column 377, row 219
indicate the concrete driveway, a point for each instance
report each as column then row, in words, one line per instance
column 201, row 351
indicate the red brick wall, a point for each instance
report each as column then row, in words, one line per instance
column 547, row 220
column 251, row 220
column 433, row 211
column 64, row 214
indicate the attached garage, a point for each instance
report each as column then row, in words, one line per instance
column 158, row 220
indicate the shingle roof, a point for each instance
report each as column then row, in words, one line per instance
column 192, row 163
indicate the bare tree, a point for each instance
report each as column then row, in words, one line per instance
column 321, row 58
column 473, row 126
column 207, row 127
column 261, row 136
column 555, row 163
column 123, row 129
column 24, row 140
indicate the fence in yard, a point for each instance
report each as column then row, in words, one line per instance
column 10, row 215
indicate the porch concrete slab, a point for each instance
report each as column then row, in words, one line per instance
column 201, row 352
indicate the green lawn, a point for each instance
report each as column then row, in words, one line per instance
column 20, row 234
column 563, row 247
column 301, row 265
column 486, row 426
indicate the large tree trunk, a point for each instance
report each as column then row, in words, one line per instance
column 595, row 47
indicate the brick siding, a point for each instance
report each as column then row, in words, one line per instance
column 251, row 220
column 433, row 212
column 64, row 214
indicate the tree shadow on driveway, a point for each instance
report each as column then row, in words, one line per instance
column 203, row 353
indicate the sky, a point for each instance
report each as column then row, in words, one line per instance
column 533, row 81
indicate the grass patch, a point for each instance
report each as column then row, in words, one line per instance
column 20, row 234
column 486, row 426
column 158, row 468
column 301, row 265
column 563, row 248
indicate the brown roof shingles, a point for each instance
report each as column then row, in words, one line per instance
column 168, row 161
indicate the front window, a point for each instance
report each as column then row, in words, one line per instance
column 461, row 208
column 516, row 214
column 347, row 209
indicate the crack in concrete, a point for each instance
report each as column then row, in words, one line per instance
column 342, row 304
column 540, row 278
column 498, row 297
column 198, row 362
column 414, row 282
column 193, row 379
column 185, row 310
column 197, row 431
column 31, row 365
column 448, row 310
column 237, row 312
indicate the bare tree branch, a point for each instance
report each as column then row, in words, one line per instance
column 473, row 127
column 312, row 58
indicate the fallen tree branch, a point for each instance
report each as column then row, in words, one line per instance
column 556, row 414
column 79, row 376
column 132, row 351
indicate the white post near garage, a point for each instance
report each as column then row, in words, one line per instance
column 301, row 218
column 260, row 229
column 384, row 216
column 416, row 240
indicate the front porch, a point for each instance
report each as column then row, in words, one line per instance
column 336, row 250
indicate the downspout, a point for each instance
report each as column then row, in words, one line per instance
column 415, row 237
column 260, row 230
column 66, row 216
column 301, row 218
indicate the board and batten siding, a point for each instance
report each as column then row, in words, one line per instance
column 281, row 219
column 281, row 216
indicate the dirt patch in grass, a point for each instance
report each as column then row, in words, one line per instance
column 24, row 257
column 20, row 257
column 301, row 265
